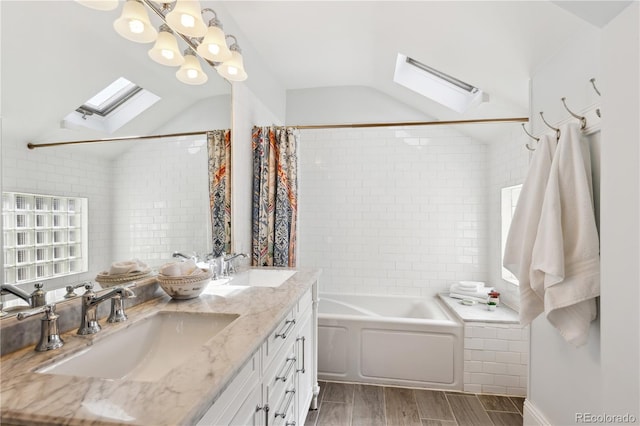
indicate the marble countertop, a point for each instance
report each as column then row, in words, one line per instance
column 479, row 312
column 182, row 396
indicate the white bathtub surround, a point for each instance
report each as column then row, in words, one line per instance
column 392, row 340
column 393, row 211
column 496, row 349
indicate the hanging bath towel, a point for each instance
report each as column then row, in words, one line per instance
column 524, row 227
column 566, row 254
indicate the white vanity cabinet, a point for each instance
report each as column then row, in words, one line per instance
column 278, row 383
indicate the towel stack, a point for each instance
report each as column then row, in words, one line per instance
column 122, row 272
column 180, row 269
column 133, row 266
column 470, row 290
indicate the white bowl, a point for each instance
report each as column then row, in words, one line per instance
column 188, row 287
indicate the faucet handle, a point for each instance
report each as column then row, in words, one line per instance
column 117, row 303
column 49, row 333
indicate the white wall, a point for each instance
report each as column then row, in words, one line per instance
column 346, row 104
column 602, row 376
column 620, row 214
column 392, row 211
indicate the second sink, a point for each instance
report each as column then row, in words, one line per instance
column 146, row 350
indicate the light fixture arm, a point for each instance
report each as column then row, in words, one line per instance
column 234, row 45
column 213, row 22
column 185, row 38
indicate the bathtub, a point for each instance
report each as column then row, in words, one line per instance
column 390, row 340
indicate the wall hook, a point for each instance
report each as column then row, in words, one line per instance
column 593, row 83
column 583, row 120
column 531, row 136
column 550, row 126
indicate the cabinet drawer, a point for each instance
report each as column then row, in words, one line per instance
column 247, row 378
column 281, row 375
column 283, row 334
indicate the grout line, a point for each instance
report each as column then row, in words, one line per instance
column 384, row 405
column 455, row 419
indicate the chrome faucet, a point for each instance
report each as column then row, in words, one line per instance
column 90, row 302
column 227, row 265
column 35, row 299
column 16, row 291
column 195, row 256
column 49, row 332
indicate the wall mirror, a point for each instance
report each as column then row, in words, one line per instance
column 145, row 198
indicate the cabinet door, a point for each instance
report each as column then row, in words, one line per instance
column 250, row 413
column 305, row 367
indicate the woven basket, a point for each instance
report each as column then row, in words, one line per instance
column 107, row 280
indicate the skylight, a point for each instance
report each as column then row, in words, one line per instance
column 111, row 97
column 112, row 107
column 436, row 85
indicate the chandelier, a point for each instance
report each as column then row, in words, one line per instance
column 185, row 19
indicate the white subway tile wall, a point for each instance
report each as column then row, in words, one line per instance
column 71, row 173
column 393, row 211
column 162, row 201
column 496, row 358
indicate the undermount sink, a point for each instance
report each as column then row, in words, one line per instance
column 146, row 350
column 261, row 277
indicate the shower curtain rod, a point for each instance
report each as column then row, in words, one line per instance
column 413, row 123
column 118, row 139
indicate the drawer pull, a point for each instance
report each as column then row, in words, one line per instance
column 266, row 412
column 290, row 424
column 288, row 325
column 303, row 339
column 283, row 414
column 283, row 377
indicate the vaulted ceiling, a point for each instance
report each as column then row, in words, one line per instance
column 57, row 54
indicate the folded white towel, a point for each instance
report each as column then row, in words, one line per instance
column 180, row 269
column 482, row 292
column 471, row 285
column 524, row 228
column 464, row 296
column 171, row 269
column 128, row 267
column 565, row 261
column 188, row 267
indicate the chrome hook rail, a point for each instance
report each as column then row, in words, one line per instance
column 531, row 136
column 583, row 120
column 557, row 130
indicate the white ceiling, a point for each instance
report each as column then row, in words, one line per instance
column 67, row 52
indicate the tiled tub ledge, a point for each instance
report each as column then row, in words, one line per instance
column 479, row 312
column 496, row 348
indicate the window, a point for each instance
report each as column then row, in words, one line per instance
column 509, row 201
column 112, row 107
column 44, row 236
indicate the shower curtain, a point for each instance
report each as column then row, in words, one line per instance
column 275, row 196
column 219, row 152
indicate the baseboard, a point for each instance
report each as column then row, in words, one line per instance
column 532, row 416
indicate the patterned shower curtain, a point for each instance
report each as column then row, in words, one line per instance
column 219, row 150
column 275, row 196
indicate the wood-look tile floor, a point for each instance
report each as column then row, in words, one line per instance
column 349, row 404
